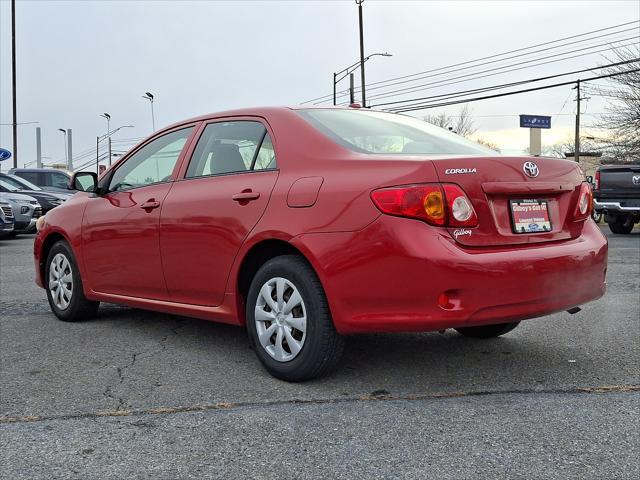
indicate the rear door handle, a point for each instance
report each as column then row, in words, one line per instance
column 150, row 205
column 246, row 196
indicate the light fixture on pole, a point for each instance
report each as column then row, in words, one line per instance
column 149, row 96
column 108, row 117
column 344, row 73
column 66, row 153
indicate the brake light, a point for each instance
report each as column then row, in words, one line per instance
column 443, row 205
column 596, row 185
column 585, row 202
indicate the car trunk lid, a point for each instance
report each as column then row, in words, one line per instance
column 493, row 184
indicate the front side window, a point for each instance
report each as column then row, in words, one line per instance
column 230, row 147
column 380, row 132
column 30, row 176
column 153, row 163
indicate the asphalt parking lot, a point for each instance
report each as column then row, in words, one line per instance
column 135, row 394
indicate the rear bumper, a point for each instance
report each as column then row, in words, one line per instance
column 389, row 277
column 610, row 206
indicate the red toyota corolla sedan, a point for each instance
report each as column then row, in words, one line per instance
column 305, row 225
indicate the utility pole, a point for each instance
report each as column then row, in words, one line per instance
column 38, row 148
column 69, row 151
column 352, row 98
column 13, row 83
column 334, row 89
column 110, row 151
column 98, row 155
column 359, row 2
column 576, row 154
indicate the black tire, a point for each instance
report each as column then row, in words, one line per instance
column 597, row 216
column 487, row 331
column 620, row 225
column 79, row 308
column 322, row 347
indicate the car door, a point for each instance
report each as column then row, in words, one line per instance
column 120, row 228
column 208, row 213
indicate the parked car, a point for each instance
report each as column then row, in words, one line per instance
column 47, row 200
column 26, row 211
column 617, row 196
column 306, row 225
column 49, row 179
column 6, row 220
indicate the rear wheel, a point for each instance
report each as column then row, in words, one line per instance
column 64, row 286
column 487, row 331
column 289, row 323
column 621, row 225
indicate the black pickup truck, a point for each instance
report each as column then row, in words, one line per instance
column 616, row 193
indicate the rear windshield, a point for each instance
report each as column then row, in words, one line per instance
column 369, row 131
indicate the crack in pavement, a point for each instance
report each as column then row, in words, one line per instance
column 377, row 396
column 152, row 352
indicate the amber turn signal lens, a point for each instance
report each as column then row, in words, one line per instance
column 434, row 205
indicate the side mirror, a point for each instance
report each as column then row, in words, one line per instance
column 590, row 179
column 83, row 181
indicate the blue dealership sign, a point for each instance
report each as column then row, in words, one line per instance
column 535, row 121
column 4, row 154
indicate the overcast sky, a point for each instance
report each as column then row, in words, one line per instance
column 79, row 59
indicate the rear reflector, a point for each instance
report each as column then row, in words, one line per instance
column 443, row 205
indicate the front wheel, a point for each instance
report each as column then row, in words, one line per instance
column 487, row 331
column 289, row 323
column 64, row 286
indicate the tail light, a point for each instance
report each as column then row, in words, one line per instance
column 443, row 205
column 585, row 202
column 596, row 185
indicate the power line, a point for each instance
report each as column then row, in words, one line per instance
column 518, row 56
column 416, row 88
column 490, row 57
column 409, row 108
column 444, row 96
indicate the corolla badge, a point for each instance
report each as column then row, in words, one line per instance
column 636, row 179
column 452, row 171
column 531, row 169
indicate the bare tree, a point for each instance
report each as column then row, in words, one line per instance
column 622, row 116
column 462, row 124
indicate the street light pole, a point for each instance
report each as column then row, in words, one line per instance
column 338, row 76
column 149, row 96
column 108, row 117
column 13, row 83
column 66, row 152
column 359, row 2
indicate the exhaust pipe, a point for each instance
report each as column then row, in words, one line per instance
column 574, row 310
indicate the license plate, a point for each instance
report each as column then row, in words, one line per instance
column 530, row 216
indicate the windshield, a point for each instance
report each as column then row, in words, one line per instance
column 369, row 131
column 22, row 183
column 4, row 183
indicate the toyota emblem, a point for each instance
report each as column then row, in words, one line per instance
column 530, row 169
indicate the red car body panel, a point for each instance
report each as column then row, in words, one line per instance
column 380, row 273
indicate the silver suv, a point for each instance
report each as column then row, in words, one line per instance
column 6, row 220
column 26, row 211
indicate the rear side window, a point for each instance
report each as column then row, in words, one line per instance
column 59, row 180
column 231, row 147
column 380, row 132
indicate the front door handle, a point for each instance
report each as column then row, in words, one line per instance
column 150, row 204
column 246, row 196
